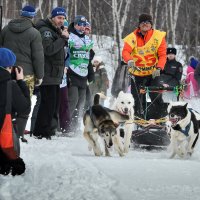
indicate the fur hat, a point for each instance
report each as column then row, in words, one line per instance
column 80, row 19
column 7, row 58
column 145, row 17
column 97, row 58
column 171, row 50
column 193, row 62
column 58, row 11
column 28, row 11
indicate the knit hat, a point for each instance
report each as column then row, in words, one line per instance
column 58, row 11
column 171, row 51
column 28, row 11
column 97, row 58
column 145, row 18
column 7, row 58
column 80, row 19
column 193, row 62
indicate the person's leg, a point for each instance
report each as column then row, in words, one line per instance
column 35, row 109
column 72, row 102
column 46, row 111
column 54, row 121
column 138, row 98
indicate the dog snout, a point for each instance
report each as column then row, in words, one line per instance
column 110, row 143
column 126, row 110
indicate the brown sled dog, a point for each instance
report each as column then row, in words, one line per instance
column 101, row 121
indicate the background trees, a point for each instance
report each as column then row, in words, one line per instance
column 116, row 18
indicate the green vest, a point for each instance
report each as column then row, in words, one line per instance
column 79, row 54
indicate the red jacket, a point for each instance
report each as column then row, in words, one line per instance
column 141, row 41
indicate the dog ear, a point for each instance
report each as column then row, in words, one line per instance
column 116, row 125
column 121, row 93
column 186, row 105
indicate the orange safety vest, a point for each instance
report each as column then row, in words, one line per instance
column 145, row 57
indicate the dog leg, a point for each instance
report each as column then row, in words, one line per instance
column 127, row 139
column 93, row 142
column 172, row 147
column 118, row 145
column 192, row 143
column 107, row 153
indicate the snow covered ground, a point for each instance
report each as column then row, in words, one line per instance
column 64, row 169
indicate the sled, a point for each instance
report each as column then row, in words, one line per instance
column 151, row 133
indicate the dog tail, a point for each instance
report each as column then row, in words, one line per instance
column 97, row 97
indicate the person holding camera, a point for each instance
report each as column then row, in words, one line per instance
column 14, row 101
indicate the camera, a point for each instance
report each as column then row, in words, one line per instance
column 13, row 73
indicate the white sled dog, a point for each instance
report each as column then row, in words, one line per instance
column 101, row 121
column 124, row 104
column 184, row 130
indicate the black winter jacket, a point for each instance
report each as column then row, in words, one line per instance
column 172, row 73
column 25, row 41
column 53, row 44
column 21, row 103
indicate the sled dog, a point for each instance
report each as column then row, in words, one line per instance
column 124, row 104
column 101, row 121
column 184, row 130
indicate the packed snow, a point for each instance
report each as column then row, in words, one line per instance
column 64, row 169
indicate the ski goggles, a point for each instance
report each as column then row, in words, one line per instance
column 82, row 24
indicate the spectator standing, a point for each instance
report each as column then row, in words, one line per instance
column 64, row 115
column 21, row 36
column 54, row 39
column 101, row 82
column 192, row 87
column 79, row 48
column 171, row 75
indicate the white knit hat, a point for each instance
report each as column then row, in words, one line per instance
column 97, row 58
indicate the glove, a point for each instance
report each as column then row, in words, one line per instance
column 18, row 166
column 131, row 64
column 156, row 73
column 38, row 82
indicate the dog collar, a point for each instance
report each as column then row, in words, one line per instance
column 186, row 131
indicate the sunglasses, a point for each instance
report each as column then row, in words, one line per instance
column 81, row 24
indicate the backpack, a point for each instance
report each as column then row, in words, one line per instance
column 9, row 142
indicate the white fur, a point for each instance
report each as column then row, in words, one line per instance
column 181, row 144
column 124, row 102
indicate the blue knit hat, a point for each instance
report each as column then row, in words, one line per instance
column 58, row 11
column 193, row 62
column 28, row 11
column 7, row 58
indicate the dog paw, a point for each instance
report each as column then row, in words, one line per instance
column 98, row 153
column 126, row 150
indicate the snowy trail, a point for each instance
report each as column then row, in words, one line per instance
column 64, row 169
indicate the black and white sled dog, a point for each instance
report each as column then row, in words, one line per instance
column 183, row 129
column 124, row 104
column 101, row 121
